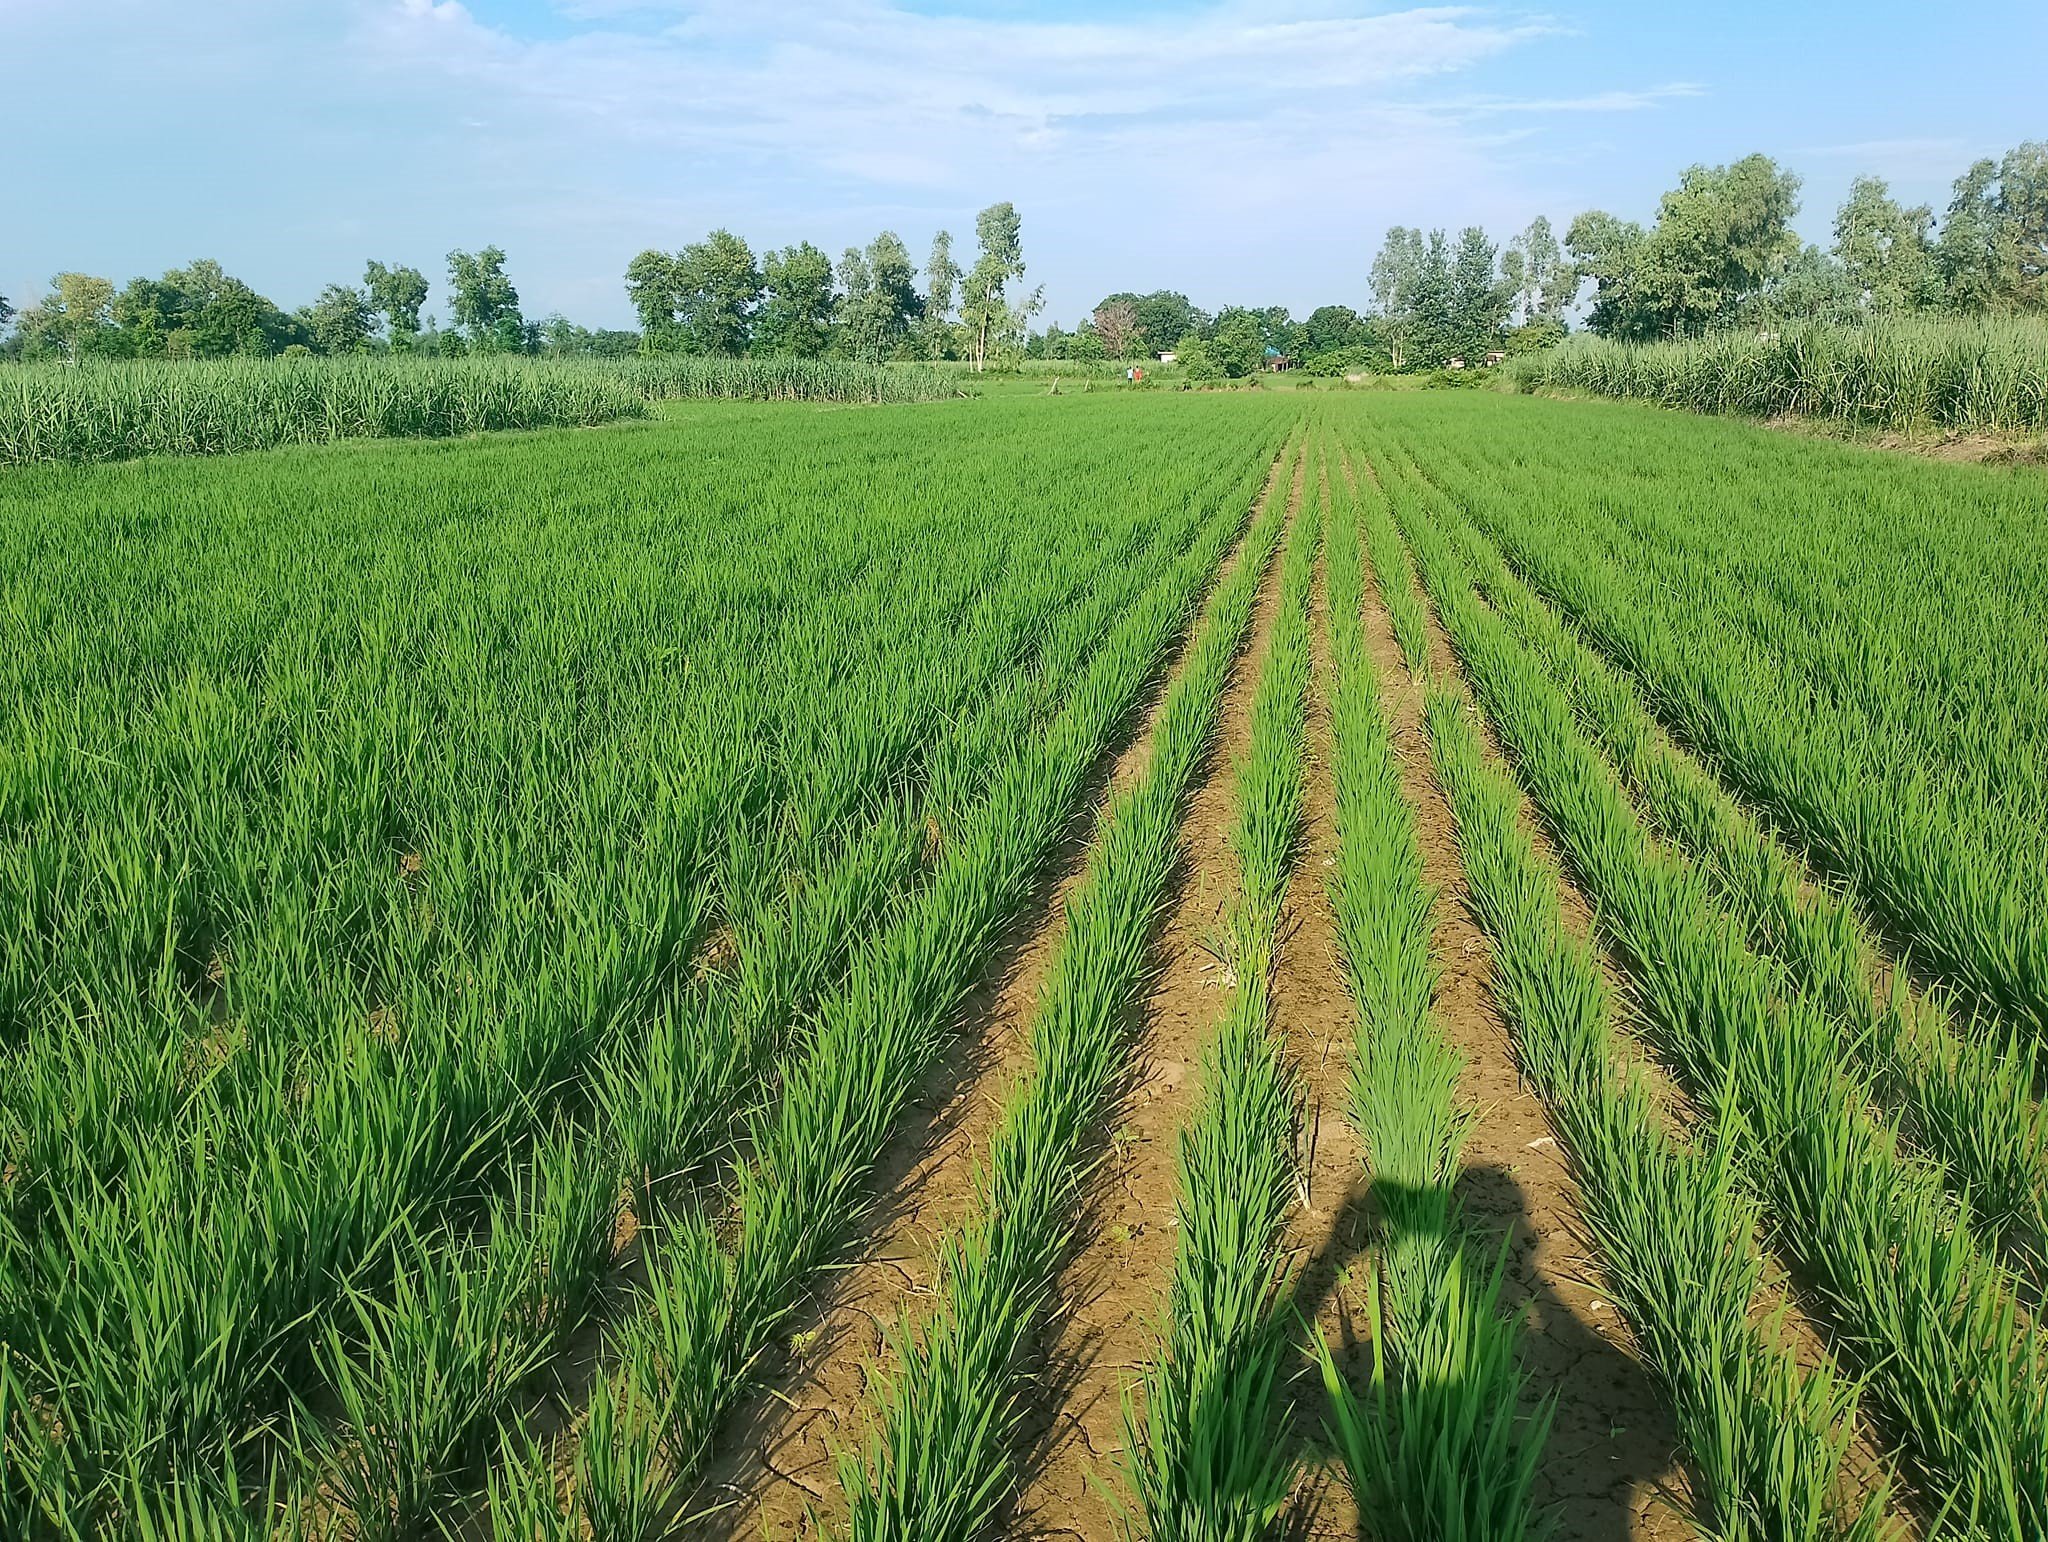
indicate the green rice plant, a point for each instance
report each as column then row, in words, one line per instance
column 367, row 986
column 942, row 1462
column 1969, row 1094
column 1848, row 640
column 1445, row 1448
column 1207, row 1457
column 1915, row 1301
column 1766, row 1441
column 799, row 1195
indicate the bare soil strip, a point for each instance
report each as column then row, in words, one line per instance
column 776, row 1469
column 1112, row 1293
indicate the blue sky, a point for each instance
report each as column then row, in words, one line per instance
column 1247, row 151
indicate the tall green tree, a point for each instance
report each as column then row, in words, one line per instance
column 1885, row 249
column 1479, row 302
column 1541, row 284
column 340, row 321
column 941, row 283
column 2022, row 246
column 1721, row 234
column 881, row 298
column 717, row 287
column 1393, row 279
column 985, row 306
column 75, row 320
column 484, row 303
column 652, row 287
column 796, row 311
column 1238, row 346
column 397, row 293
column 1609, row 250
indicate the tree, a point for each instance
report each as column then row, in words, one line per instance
column 1330, row 327
column 1393, row 279
column 397, row 293
column 881, row 297
column 1609, row 251
column 716, row 287
column 999, row 263
column 941, row 282
column 1479, row 303
column 484, row 303
column 1883, row 249
column 1087, row 345
column 1812, row 287
column 1165, row 316
column 1428, row 313
column 1238, row 348
column 1541, row 283
column 1116, row 323
column 1721, row 234
column 6, row 311
column 796, row 313
column 340, row 321
column 75, row 320
column 651, row 285
column 2021, row 249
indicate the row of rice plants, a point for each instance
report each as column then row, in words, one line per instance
column 394, row 1090
column 1969, row 1093
column 1442, row 1446
column 1850, row 641
column 1765, row 1440
column 686, row 1094
column 1980, row 374
column 513, row 1090
column 1913, row 1295
column 1207, row 1456
column 629, row 1460
column 942, row 1463
column 799, row 1198
column 670, row 377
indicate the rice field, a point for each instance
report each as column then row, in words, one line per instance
column 1196, row 967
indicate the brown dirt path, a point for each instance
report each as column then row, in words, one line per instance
column 775, row 1472
column 1113, row 1290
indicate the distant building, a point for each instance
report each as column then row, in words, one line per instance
column 1277, row 361
column 1496, row 357
column 1457, row 362
column 1168, row 357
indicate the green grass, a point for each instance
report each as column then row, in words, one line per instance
column 116, row 411
column 1977, row 375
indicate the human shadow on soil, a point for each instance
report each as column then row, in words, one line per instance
column 1611, row 1437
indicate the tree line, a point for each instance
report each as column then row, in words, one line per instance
column 1721, row 253
column 714, row 297
column 203, row 312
